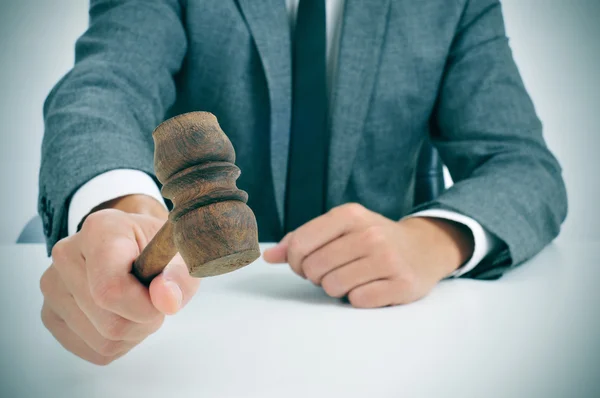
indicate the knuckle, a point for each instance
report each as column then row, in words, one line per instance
column 359, row 299
column 46, row 284
column 51, row 320
column 106, row 292
column 311, row 271
column 115, row 328
column 101, row 360
column 59, row 251
column 297, row 252
column 95, row 221
column 374, row 235
column 92, row 222
column 47, row 318
column 337, row 211
column 355, row 210
column 296, row 246
column 109, row 348
column 351, row 210
column 331, row 288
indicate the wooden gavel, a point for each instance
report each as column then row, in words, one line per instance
column 210, row 225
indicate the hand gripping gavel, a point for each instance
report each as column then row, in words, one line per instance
column 210, row 225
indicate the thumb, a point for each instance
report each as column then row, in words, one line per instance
column 173, row 288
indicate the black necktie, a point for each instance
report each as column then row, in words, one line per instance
column 305, row 193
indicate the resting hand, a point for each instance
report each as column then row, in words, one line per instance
column 93, row 305
column 373, row 260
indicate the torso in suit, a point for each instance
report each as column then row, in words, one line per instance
column 407, row 71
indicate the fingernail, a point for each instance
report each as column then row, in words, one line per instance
column 175, row 291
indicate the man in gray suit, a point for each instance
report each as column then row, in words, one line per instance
column 327, row 104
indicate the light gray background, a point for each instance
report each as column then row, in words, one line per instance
column 556, row 45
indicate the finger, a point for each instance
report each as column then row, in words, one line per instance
column 173, row 288
column 375, row 294
column 63, row 304
column 324, row 229
column 70, row 341
column 70, row 265
column 111, row 283
column 342, row 280
column 337, row 253
column 278, row 253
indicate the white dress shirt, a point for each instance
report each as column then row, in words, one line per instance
column 122, row 182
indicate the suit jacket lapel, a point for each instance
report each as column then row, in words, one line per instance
column 269, row 25
column 363, row 31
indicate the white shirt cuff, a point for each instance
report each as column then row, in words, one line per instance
column 108, row 186
column 484, row 242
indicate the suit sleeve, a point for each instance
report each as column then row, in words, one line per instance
column 488, row 134
column 100, row 116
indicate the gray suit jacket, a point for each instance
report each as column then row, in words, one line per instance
column 407, row 71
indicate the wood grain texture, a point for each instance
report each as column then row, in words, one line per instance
column 210, row 225
column 159, row 251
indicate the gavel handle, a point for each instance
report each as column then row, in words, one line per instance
column 157, row 254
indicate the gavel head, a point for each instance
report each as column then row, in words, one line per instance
column 213, row 229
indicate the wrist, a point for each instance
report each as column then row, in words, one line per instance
column 451, row 243
column 136, row 203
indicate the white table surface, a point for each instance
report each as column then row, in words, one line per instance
column 264, row 332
